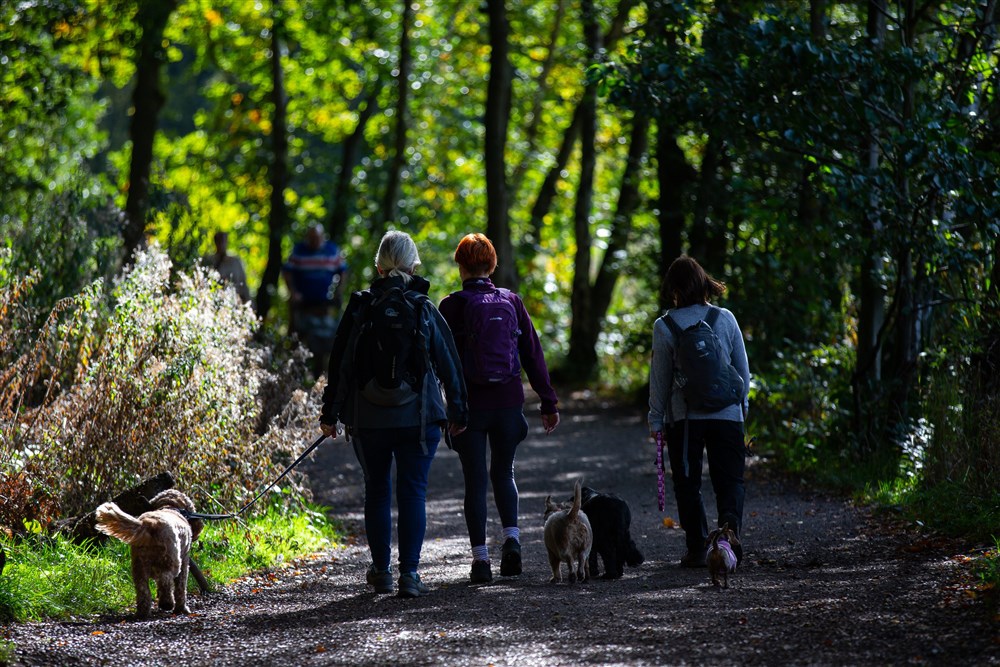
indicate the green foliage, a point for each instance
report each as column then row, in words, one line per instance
column 51, row 577
column 797, row 412
column 285, row 531
column 988, row 572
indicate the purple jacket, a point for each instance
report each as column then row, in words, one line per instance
column 529, row 349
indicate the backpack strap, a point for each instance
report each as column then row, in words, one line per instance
column 675, row 328
column 712, row 316
column 420, row 299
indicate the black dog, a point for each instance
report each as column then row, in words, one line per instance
column 610, row 519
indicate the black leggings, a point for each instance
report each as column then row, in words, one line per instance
column 723, row 440
column 502, row 430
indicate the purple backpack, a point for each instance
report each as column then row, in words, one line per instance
column 491, row 334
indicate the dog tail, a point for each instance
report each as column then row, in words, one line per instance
column 577, row 501
column 111, row 520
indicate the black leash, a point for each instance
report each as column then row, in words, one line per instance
column 231, row 515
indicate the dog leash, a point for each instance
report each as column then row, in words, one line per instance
column 660, row 483
column 232, row 515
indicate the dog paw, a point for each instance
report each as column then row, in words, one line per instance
column 182, row 610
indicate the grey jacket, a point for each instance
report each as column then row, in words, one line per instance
column 661, row 368
column 342, row 401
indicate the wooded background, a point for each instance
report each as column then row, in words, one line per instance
column 835, row 163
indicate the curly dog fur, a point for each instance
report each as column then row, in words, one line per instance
column 160, row 541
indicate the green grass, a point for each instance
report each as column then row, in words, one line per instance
column 988, row 573
column 946, row 507
column 51, row 577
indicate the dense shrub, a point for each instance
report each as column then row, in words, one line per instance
column 131, row 378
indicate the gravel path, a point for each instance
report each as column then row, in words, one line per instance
column 822, row 584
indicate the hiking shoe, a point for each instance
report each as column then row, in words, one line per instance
column 510, row 558
column 482, row 573
column 410, row 586
column 693, row 559
column 737, row 551
column 380, row 579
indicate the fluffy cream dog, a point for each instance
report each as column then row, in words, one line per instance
column 161, row 545
column 568, row 538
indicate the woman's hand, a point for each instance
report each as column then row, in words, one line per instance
column 329, row 430
column 549, row 422
column 455, row 429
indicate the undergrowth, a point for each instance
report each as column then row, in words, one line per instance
column 54, row 578
column 157, row 371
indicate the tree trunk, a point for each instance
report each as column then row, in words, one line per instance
column 871, row 295
column 496, row 120
column 577, row 367
column 390, row 206
column 707, row 223
column 278, row 222
column 585, row 357
column 547, row 192
column 531, row 132
column 913, row 287
column 340, row 208
column 147, row 100
column 674, row 176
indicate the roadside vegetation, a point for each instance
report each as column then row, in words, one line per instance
column 156, row 371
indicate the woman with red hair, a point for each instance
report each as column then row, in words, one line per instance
column 496, row 339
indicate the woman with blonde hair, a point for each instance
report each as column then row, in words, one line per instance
column 399, row 420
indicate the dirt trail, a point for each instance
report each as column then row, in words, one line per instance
column 821, row 584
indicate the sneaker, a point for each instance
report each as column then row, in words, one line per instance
column 380, row 579
column 510, row 558
column 482, row 573
column 410, row 586
column 693, row 559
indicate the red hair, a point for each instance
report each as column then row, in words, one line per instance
column 476, row 254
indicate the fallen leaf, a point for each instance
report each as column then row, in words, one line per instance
column 96, row 632
column 669, row 522
column 321, row 649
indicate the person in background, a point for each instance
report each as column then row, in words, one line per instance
column 492, row 359
column 402, row 425
column 688, row 432
column 230, row 267
column 315, row 274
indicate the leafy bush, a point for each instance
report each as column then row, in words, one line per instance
column 797, row 408
column 129, row 379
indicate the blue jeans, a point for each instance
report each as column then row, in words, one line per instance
column 376, row 449
column 723, row 440
column 502, row 430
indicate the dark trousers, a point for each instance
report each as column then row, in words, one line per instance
column 376, row 450
column 723, row 440
column 502, row 430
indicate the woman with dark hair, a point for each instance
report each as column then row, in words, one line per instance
column 496, row 339
column 689, row 425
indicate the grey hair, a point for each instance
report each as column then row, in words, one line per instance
column 397, row 255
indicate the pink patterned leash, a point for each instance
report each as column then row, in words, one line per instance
column 660, row 483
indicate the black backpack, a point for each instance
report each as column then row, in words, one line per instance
column 708, row 382
column 390, row 352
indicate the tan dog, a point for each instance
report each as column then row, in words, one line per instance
column 161, row 544
column 568, row 538
column 721, row 559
